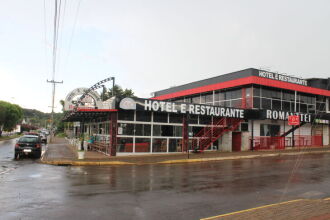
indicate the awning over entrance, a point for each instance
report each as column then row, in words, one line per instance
column 87, row 114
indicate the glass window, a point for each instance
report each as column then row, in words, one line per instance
column 177, row 131
column 222, row 103
column 286, row 106
column 256, row 91
column 28, row 139
column 125, row 129
column 276, row 104
column 269, row 130
column 205, row 119
column 175, row 145
column 107, row 131
column 293, row 106
column 167, row 130
column 227, row 94
column 222, row 96
column 176, row 118
column 311, row 109
column 320, row 107
column 202, row 99
column 159, row 145
column 271, row 93
column 156, row 130
column 303, row 108
column 256, row 102
column 320, row 98
column 187, row 99
column 142, row 130
column 126, row 115
column 163, row 130
column 288, row 95
column 193, row 119
column 237, row 103
column 124, row 144
column 305, row 98
column 266, row 103
column 100, row 128
column 219, row 96
column 226, row 104
column 236, row 94
column 209, row 97
column 143, row 116
column 248, row 92
column 196, row 99
column 249, row 102
column 142, row 144
column 160, row 117
column 195, row 130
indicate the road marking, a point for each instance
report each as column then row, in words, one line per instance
column 256, row 208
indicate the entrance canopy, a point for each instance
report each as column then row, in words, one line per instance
column 87, row 114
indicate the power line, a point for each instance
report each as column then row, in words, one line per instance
column 45, row 37
column 60, row 37
column 72, row 33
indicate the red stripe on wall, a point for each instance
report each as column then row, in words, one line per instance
column 246, row 81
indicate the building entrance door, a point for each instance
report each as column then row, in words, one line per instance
column 236, row 141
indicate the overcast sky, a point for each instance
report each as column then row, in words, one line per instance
column 150, row 45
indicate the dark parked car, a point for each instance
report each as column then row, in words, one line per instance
column 28, row 145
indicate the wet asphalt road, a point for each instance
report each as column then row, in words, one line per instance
column 29, row 190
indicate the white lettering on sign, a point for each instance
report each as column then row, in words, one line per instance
column 281, row 77
column 183, row 108
column 195, row 109
column 281, row 115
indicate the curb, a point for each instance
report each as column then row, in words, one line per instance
column 238, row 157
column 107, row 163
column 84, row 163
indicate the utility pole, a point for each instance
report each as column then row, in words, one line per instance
column 53, row 102
column 113, row 85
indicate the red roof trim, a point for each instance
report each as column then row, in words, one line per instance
column 246, row 81
column 97, row 110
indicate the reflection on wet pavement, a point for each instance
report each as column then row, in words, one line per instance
column 38, row 191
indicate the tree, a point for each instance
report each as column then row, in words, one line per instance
column 62, row 102
column 3, row 111
column 14, row 115
column 117, row 91
column 10, row 115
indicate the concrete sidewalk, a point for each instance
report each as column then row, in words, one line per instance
column 61, row 153
column 318, row 209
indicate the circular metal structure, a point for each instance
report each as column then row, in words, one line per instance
column 87, row 92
